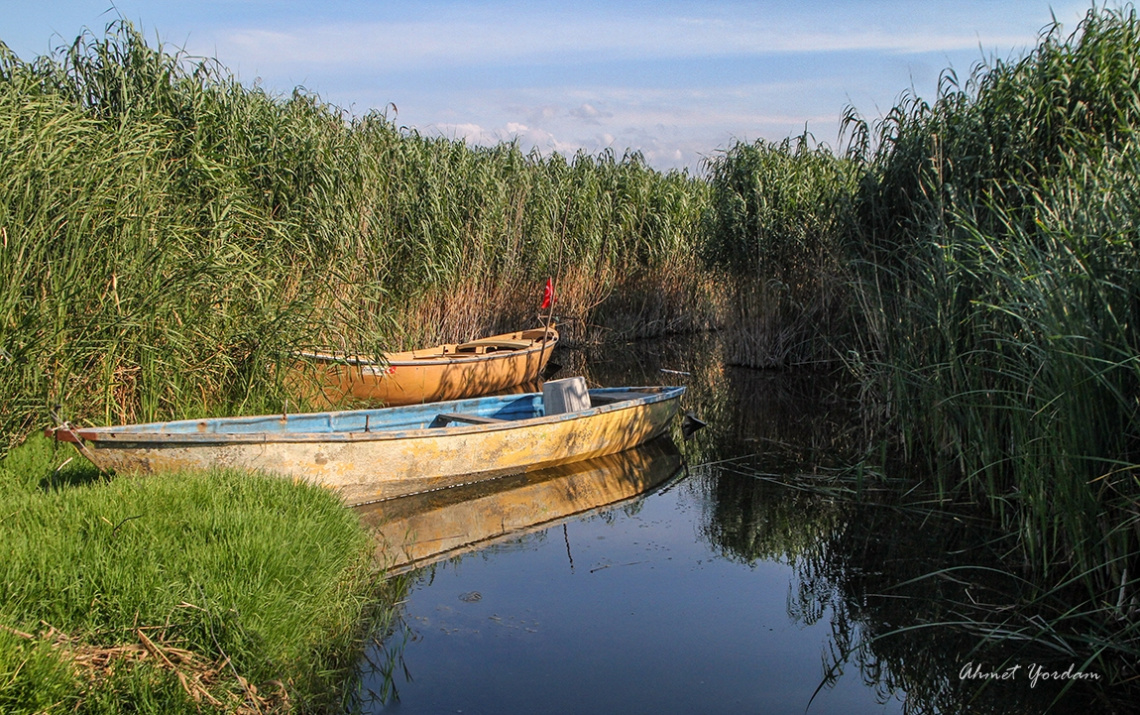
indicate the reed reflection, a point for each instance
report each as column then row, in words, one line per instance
column 920, row 601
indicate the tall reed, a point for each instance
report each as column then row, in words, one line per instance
column 1000, row 281
column 776, row 225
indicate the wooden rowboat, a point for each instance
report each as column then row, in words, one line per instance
column 444, row 372
column 424, row 528
column 369, row 455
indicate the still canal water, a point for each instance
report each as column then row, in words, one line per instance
column 728, row 574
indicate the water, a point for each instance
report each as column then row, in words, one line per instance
column 730, row 574
column 627, row 610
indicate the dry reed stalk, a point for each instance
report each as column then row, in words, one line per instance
column 200, row 678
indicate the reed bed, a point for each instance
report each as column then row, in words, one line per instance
column 973, row 262
column 1000, row 235
column 170, row 236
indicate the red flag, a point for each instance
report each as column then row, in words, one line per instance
column 547, row 295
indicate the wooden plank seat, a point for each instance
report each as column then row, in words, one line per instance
column 492, row 344
column 444, row 418
column 620, row 397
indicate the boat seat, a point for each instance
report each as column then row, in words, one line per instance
column 492, row 345
column 443, row 418
column 567, row 395
column 620, row 397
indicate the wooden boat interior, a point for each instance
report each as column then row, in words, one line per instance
column 483, row 346
column 411, row 417
column 475, row 411
column 510, row 342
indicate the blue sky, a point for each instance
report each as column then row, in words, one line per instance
column 675, row 80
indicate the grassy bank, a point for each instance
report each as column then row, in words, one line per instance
column 177, row 593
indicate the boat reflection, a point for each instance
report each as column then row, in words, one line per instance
column 417, row 530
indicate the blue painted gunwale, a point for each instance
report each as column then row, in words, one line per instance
column 405, row 422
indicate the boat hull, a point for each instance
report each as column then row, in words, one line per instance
column 445, row 372
column 366, row 466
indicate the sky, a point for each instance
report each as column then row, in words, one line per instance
column 679, row 81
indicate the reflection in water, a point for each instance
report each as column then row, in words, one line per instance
column 720, row 594
column 917, row 601
column 418, row 530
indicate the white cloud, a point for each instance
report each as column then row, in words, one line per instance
column 472, row 133
column 672, row 128
column 589, row 114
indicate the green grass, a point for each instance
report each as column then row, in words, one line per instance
column 259, row 578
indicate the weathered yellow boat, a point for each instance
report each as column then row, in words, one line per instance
column 424, row 528
column 444, row 372
column 369, row 455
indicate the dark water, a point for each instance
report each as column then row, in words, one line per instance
column 736, row 575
